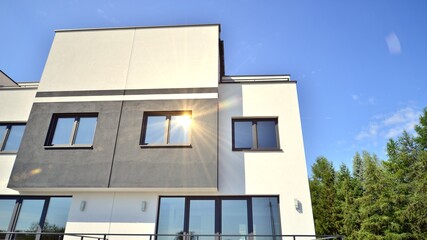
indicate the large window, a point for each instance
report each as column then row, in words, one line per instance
column 10, row 136
column 227, row 215
column 33, row 214
column 166, row 128
column 72, row 130
column 255, row 134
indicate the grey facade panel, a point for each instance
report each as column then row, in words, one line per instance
column 36, row 166
column 194, row 167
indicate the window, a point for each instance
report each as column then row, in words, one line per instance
column 71, row 130
column 255, row 134
column 166, row 128
column 33, row 214
column 227, row 215
column 10, row 136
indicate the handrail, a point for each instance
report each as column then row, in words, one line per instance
column 183, row 236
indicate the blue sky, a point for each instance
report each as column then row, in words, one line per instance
column 360, row 65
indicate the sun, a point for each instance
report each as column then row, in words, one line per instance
column 184, row 121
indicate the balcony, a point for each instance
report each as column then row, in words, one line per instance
column 183, row 236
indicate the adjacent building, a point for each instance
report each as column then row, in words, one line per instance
column 138, row 131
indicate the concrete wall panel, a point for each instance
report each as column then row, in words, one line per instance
column 166, row 167
column 37, row 166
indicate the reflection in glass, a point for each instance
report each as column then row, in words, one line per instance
column 155, row 130
column 6, row 211
column 2, row 133
column 179, row 129
column 171, row 217
column 63, row 130
column 265, row 213
column 14, row 139
column 266, row 133
column 29, row 217
column 234, row 218
column 243, row 134
column 202, row 218
column 57, row 214
column 86, row 130
column 56, row 217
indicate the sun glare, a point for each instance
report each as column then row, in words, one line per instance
column 184, row 121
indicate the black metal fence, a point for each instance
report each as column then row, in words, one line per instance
column 185, row 236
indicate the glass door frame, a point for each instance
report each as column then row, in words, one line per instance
column 218, row 209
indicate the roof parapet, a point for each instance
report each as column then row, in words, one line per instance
column 256, row 78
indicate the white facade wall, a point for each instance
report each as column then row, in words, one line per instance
column 280, row 173
column 134, row 58
column 15, row 106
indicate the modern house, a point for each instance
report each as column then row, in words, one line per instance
column 138, row 131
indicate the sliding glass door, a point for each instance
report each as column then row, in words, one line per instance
column 205, row 216
column 33, row 215
column 202, row 218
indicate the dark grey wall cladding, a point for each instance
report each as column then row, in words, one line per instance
column 36, row 166
column 194, row 167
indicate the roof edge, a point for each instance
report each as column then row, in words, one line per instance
column 256, row 78
column 138, row 27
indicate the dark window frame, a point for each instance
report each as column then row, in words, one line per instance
column 73, row 134
column 254, row 121
column 5, row 137
column 168, row 115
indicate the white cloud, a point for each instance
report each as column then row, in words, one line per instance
column 355, row 97
column 393, row 43
column 370, row 132
column 362, row 100
column 390, row 125
column 104, row 15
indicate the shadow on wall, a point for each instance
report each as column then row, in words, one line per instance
column 231, row 163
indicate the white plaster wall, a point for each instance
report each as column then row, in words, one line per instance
column 6, row 165
column 134, row 58
column 114, row 212
column 273, row 173
column 177, row 57
column 88, row 60
column 231, row 168
column 15, row 106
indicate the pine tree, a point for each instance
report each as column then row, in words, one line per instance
column 347, row 210
column 358, row 169
column 374, row 203
column 323, row 197
column 416, row 211
column 402, row 157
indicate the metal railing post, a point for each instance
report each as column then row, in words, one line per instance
column 217, row 236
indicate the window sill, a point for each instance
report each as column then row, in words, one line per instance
column 258, row 150
column 8, row 152
column 69, row 147
column 166, row 146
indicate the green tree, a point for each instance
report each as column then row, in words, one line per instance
column 416, row 211
column 400, row 165
column 374, row 202
column 347, row 209
column 323, row 194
